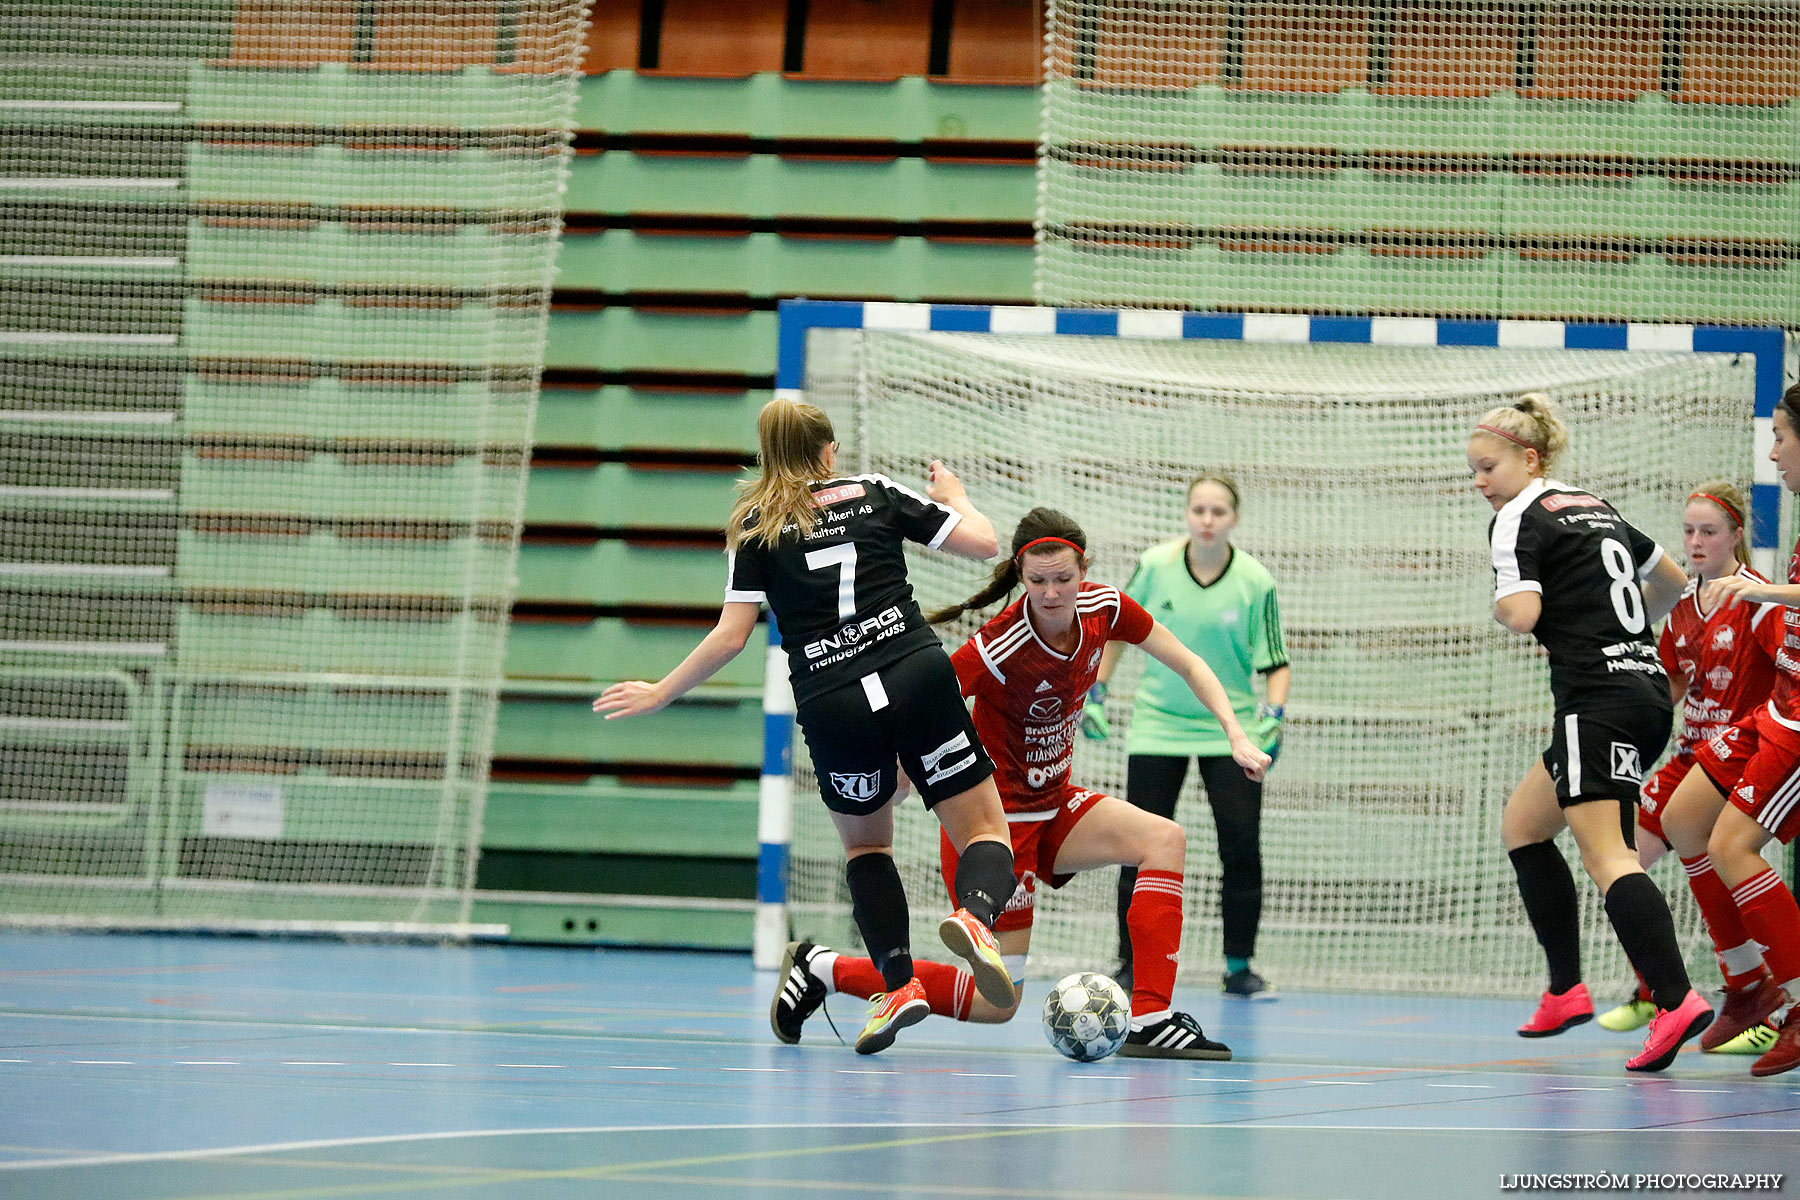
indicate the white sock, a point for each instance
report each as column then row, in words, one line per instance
column 1744, row 959
column 821, row 967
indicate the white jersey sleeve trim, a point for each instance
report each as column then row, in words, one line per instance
column 950, row 522
column 1649, row 564
column 981, row 648
column 732, row 596
column 1505, row 544
column 952, row 518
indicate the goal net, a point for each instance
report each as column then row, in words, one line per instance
column 1570, row 158
column 1412, row 713
column 273, row 298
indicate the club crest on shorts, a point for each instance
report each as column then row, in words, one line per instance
column 1626, row 765
column 858, row 785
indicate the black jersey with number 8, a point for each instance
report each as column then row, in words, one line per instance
column 840, row 595
column 1587, row 562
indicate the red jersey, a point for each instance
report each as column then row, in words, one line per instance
column 1028, row 697
column 1727, row 657
column 1784, row 704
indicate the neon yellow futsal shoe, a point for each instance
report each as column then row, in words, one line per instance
column 1633, row 1014
column 891, row 1012
column 1753, row 1040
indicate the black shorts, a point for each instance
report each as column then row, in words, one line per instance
column 910, row 711
column 1604, row 753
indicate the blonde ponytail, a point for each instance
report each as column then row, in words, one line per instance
column 792, row 439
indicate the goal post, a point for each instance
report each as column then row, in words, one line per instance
column 1412, row 715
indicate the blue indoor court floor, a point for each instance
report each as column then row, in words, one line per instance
column 137, row 1066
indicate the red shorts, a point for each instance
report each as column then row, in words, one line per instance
column 1656, row 792
column 1768, row 789
column 1034, row 845
column 1724, row 756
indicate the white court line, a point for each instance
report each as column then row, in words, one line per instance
column 757, row 1070
column 616, row 1067
column 1104, row 1076
column 1338, row 1083
column 533, row 1066
column 206, row 1062
column 306, row 1063
column 869, row 1072
column 395, row 1064
column 102, row 1062
column 1704, row 1091
column 982, row 1075
column 1260, row 1124
column 1221, row 1079
column 14, row 1060
column 1554, row 1088
column 1485, row 1087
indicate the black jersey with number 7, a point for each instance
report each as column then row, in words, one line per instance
column 840, row 595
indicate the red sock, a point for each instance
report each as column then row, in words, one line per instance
column 950, row 990
column 1769, row 910
column 1720, row 912
column 1154, row 923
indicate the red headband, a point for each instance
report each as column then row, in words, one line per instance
column 1730, row 509
column 1079, row 552
column 1514, row 438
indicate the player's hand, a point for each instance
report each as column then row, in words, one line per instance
column 1094, row 725
column 633, row 698
column 1247, row 756
column 1727, row 590
column 942, row 483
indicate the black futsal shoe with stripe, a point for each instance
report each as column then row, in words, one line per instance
column 1175, row 1036
column 797, row 994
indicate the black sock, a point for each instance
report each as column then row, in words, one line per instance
column 1640, row 916
column 878, row 901
column 984, row 880
column 1548, row 890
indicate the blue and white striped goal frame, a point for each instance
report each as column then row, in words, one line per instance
column 798, row 318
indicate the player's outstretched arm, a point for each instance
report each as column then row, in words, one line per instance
column 974, row 535
column 1662, row 588
column 1731, row 589
column 635, row 698
column 1167, row 649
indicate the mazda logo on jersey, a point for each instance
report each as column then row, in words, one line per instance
column 861, row 785
column 1047, row 709
column 1625, row 763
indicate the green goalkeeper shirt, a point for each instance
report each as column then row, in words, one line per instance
column 1233, row 623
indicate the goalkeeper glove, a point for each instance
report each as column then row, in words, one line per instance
column 1094, row 725
column 1271, row 715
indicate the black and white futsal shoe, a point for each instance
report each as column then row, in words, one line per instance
column 797, row 994
column 1175, row 1036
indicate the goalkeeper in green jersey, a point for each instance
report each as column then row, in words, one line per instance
column 1220, row 603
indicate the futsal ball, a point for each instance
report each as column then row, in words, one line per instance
column 1086, row 1016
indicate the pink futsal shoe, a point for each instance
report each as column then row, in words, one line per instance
column 1744, row 1008
column 1668, row 1030
column 1556, row 1013
column 1784, row 1055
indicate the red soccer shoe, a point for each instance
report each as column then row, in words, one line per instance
column 1784, row 1055
column 1744, row 1008
column 1557, row 1013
